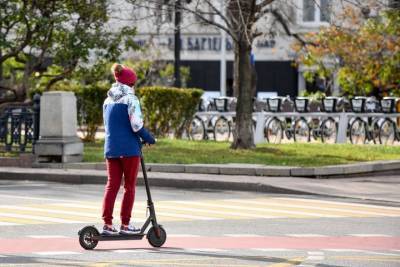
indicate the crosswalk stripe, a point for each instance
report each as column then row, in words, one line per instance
column 182, row 235
column 44, row 214
column 76, row 205
column 242, row 235
column 308, row 207
column 95, row 206
column 55, row 253
column 47, row 210
column 305, row 235
column 46, row 236
column 19, row 221
column 370, row 206
column 46, row 199
column 130, row 250
column 341, row 250
column 138, row 211
column 273, row 249
column 205, row 250
column 38, row 218
column 217, row 212
column 184, row 210
column 186, row 216
column 369, row 235
column 310, row 214
column 164, row 206
column 380, row 253
column 8, row 224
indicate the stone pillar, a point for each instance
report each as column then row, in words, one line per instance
column 58, row 141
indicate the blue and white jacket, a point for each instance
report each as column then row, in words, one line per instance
column 123, row 123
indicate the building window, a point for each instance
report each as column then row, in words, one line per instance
column 316, row 11
column 394, row 4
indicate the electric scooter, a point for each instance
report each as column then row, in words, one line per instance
column 89, row 236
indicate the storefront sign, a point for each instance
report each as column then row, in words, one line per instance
column 204, row 43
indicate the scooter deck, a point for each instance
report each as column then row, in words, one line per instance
column 118, row 237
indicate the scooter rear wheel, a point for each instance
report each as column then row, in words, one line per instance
column 153, row 239
column 86, row 237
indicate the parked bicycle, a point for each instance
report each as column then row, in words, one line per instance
column 224, row 124
column 388, row 131
column 275, row 128
column 329, row 125
column 202, row 126
column 305, row 127
column 365, row 129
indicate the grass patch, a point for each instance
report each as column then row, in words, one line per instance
column 296, row 154
column 10, row 154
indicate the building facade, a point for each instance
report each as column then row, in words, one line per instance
column 201, row 44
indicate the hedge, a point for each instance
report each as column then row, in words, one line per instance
column 168, row 109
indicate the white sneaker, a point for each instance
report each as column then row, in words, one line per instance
column 129, row 230
column 109, row 230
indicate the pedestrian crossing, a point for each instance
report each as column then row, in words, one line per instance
column 69, row 212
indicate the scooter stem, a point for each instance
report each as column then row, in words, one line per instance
column 146, row 182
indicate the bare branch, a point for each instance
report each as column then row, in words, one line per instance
column 199, row 15
column 282, row 21
column 219, row 13
column 260, row 6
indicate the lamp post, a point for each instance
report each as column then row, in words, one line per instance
column 177, row 44
column 223, row 55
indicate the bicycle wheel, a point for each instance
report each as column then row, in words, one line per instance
column 197, row 129
column 222, row 129
column 273, row 131
column 329, row 131
column 301, row 131
column 387, row 132
column 358, row 131
column 374, row 132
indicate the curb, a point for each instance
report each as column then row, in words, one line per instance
column 271, row 185
column 76, row 176
column 249, row 169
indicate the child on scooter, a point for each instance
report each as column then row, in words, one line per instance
column 123, row 123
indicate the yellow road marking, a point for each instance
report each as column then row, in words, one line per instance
column 288, row 263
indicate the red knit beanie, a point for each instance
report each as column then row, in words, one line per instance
column 124, row 74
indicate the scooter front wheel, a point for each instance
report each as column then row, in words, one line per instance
column 156, row 240
column 86, row 237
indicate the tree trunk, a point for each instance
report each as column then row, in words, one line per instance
column 243, row 132
column 236, row 72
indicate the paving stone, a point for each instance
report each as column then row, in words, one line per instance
column 165, row 167
column 194, row 168
column 237, row 170
column 273, row 171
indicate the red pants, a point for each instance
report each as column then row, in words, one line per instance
column 116, row 168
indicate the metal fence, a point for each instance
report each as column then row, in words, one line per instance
column 19, row 126
column 276, row 127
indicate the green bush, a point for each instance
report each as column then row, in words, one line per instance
column 167, row 109
column 90, row 100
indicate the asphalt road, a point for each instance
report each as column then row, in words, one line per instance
column 39, row 222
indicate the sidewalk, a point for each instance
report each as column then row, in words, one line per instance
column 378, row 188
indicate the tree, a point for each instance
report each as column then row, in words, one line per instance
column 363, row 52
column 238, row 18
column 36, row 34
